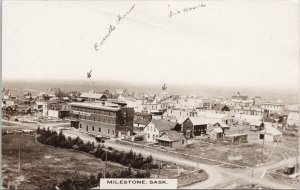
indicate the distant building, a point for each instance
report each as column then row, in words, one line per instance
column 273, row 107
column 91, row 96
column 239, row 97
column 221, row 108
column 293, row 119
column 41, row 107
column 58, row 109
column 102, row 118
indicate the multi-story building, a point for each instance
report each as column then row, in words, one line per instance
column 273, row 107
column 102, row 118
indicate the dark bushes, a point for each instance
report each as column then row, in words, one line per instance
column 129, row 159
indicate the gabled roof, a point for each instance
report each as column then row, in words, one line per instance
column 171, row 136
column 218, row 130
column 222, row 125
column 92, row 95
column 199, row 120
column 219, row 107
column 142, row 121
column 163, row 125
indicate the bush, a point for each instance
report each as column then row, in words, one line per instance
column 125, row 158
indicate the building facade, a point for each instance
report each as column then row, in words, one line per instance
column 102, row 119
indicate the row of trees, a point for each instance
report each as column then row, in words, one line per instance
column 129, row 159
column 51, row 137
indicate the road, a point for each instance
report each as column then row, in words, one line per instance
column 216, row 174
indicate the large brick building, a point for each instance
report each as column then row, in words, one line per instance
column 102, row 118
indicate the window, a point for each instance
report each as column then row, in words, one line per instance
column 93, row 128
column 113, row 132
column 182, row 141
column 80, row 126
column 94, row 118
column 153, row 137
column 148, row 136
column 99, row 129
column 156, row 136
column 87, row 128
column 107, row 131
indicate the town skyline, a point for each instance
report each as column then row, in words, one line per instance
column 288, row 96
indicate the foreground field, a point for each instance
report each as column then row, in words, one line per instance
column 42, row 165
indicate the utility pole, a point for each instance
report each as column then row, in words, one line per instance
column 19, row 166
column 262, row 150
column 105, row 164
column 159, row 170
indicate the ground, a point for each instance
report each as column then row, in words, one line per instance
column 42, row 165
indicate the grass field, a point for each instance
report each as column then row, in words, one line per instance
column 42, row 165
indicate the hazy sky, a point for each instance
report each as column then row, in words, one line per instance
column 239, row 43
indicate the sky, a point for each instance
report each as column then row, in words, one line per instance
column 225, row 43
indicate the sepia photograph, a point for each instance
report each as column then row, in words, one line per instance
column 189, row 94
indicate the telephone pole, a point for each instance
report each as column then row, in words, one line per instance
column 19, row 166
column 159, row 170
column 262, row 150
column 105, row 164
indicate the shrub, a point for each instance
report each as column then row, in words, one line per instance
column 125, row 158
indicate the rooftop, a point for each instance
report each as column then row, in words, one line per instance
column 171, row 136
column 92, row 95
column 94, row 105
column 163, row 125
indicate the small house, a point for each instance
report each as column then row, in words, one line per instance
column 256, row 125
column 270, row 134
column 220, row 108
column 172, row 139
column 223, row 126
column 216, row 133
column 155, row 129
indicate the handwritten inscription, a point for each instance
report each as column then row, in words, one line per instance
column 112, row 28
column 184, row 10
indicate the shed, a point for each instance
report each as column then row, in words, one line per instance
column 216, row 133
column 256, row 125
column 270, row 134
